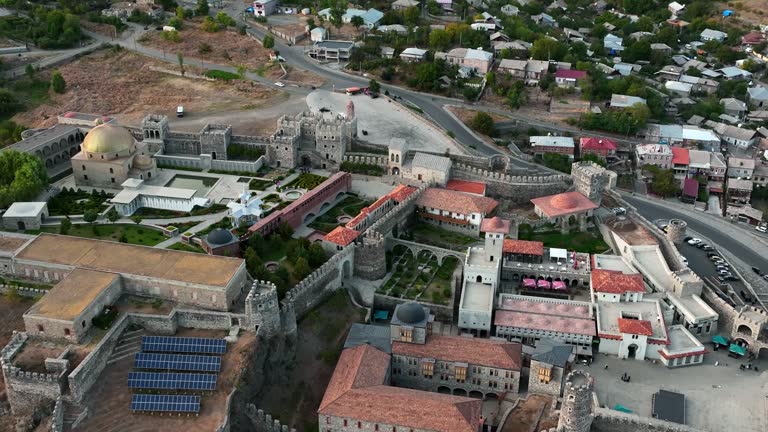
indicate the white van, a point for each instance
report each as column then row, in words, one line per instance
column 179, row 111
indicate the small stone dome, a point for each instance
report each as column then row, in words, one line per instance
column 564, row 202
column 107, row 138
column 219, row 236
column 142, row 161
column 410, row 313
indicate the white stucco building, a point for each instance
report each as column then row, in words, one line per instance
column 136, row 194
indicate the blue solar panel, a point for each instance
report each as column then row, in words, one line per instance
column 171, row 381
column 180, row 362
column 165, row 403
column 183, row 344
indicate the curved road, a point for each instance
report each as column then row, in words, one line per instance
column 754, row 254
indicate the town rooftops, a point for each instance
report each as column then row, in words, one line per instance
column 571, row 74
column 414, row 52
column 736, row 162
column 545, row 322
column 523, row 247
column 691, row 187
column 478, row 54
column 733, row 104
column 758, row 93
column 610, row 315
column 735, row 132
column 713, row 34
column 377, row 336
column 624, row 101
column 740, row 184
column 432, row 162
column 636, row 327
column 593, row 143
column 616, row 282
column 733, row 72
column 474, row 351
column 550, row 352
column 645, row 149
column 680, row 156
column 563, row 204
column 678, row 86
column 551, row 141
column 342, row 236
column 473, row 187
column 456, row 202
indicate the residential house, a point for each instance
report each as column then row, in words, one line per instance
column 626, row 69
column 371, row 17
column 393, row 28
column 753, row 38
column 600, row 5
column 544, row 20
column 670, row 72
column 757, row 97
column 734, row 107
column 678, row 88
column 681, row 160
column 387, row 52
column 542, row 145
column 699, row 84
column 573, row 35
column 624, row 101
column 675, row 8
column 331, row 50
column 517, row 48
column 613, row 44
column 653, row 154
column 557, row 4
column 760, row 174
column 740, row 167
column 531, row 70
column 318, row 34
column 498, row 37
column 569, row 78
column 484, row 26
column 712, row 35
column 404, row 4
column 683, row 135
column 733, row 73
column 740, row 137
column 739, row 191
column 446, row 5
column 264, row 7
column 476, row 59
column 454, row 210
column 413, row 55
column 610, row 27
column 662, row 48
column 510, row 10
column 603, row 147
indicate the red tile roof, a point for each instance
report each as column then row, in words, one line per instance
column 481, row 352
column 342, row 236
column 495, row 225
column 638, row 327
column 524, row 247
column 616, row 282
column 593, row 143
column 407, row 408
column 456, row 202
column 358, row 367
column 472, row 187
column 570, row 74
column 564, row 204
column 536, row 321
column 680, row 156
column 401, row 192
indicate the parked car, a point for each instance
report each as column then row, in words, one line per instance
column 723, row 272
column 687, row 238
column 762, row 228
column 279, row 84
column 694, row 241
column 757, row 270
column 701, row 245
column 715, row 258
column 711, row 254
column 732, row 278
column 765, row 276
column 707, row 248
column 685, row 260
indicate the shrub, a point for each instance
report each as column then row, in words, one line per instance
column 171, row 36
column 210, row 26
column 221, row 75
column 57, row 82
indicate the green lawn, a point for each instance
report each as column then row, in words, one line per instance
column 133, row 234
column 588, row 242
column 433, row 235
column 258, row 184
column 186, row 247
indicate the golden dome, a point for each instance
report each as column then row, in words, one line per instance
column 142, row 161
column 107, row 138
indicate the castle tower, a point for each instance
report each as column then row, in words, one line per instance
column 676, row 231
column 370, row 256
column 214, row 140
column 576, row 412
column 590, row 179
column 351, row 122
column 155, row 130
column 495, row 230
column 262, row 308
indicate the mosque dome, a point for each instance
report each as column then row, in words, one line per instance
column 410, row 313
column 107, row 138
column 564, row 202
column 142, row 162
column 219, row 236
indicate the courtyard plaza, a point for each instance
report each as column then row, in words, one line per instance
column 718, row 398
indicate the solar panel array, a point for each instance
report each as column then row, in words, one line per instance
column 179, row 362
column 171, row 381
column 165, row 403
column 183, row 344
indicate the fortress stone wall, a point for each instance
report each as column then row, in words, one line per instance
column 519, row 189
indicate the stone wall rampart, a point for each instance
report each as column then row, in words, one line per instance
column 608, row 420
column 57, row 416
column 366, row 158
column 312, row 290
column 263, row 422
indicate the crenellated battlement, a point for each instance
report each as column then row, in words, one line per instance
column 492, row 175
column 13, row 347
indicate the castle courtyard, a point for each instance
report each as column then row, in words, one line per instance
column 717, row 398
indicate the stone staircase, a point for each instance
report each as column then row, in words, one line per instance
column 73, row 416
column 128, row 345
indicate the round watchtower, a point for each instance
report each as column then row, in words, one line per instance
column 576, row 412
column 676, row 230
column 371, row 256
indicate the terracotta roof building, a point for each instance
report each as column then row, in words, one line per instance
column 471, row 187
column 453, row 210
column 359, row 397
column 372, row 213
column 341, row 237
column 602, row 147
column 612, row 285
column 530, row 319
column 635, row 327
column 559, row 208
column 523, row 250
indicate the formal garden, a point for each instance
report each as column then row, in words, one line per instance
column 426, row 233
column 77, row 202
column 420, row 278
column 350, row 207
column 305, row 181
column 151, row 213
column 260, row 184
column 363, row 168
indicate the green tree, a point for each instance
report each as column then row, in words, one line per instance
column 557, row 162
column 664, row 182
column 29, row 70
column 8, row 103
column 517, row 96
column 210, row 25
column 284, row 230
column 411, row 16
column 180, row 12
column 315, row 255
column 269, row 41
column 202, row 7
column 374, row 86
column 483, row 123
column 113, row 215
column 301, row 269
column 180, row 58
column 439, row 40
column 65, row 226
column 57, row 82
column 225, row 19
column 90, row 216
column 357, row 21
column 241, row 70
column 176, row 23
column 136, row 219
column 22, row 177
column 311, row 23
column 252, row 261
column 336, row 13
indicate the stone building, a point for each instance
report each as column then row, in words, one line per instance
column 591, row 180
column 221, row 241
column 565, row 209
column 109, row 157
column 577, row 411
column 427, row 168
column 550, row 363
column 25, row 215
